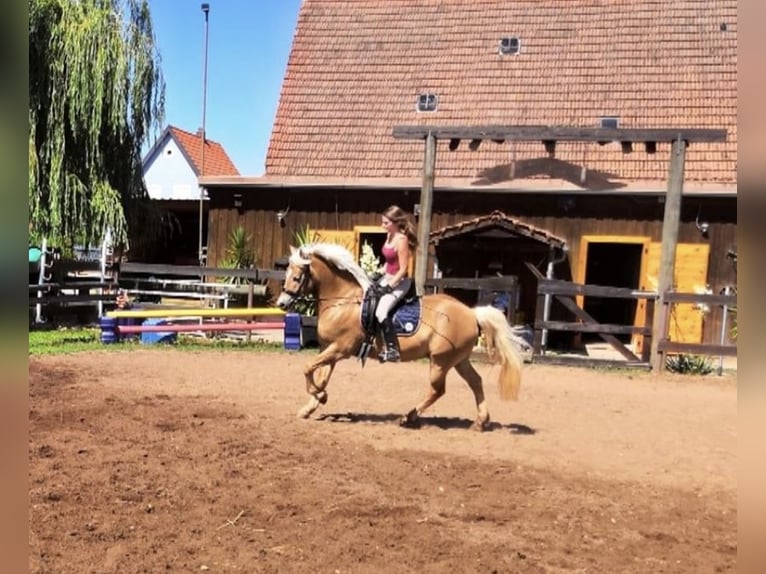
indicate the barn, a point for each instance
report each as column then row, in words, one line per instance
column 587, row 211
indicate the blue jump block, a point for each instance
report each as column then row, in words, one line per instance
column 293, row 331
column 150, row 338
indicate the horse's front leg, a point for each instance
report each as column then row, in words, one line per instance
column 318, row 373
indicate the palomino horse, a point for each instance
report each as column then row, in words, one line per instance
column 447, row 333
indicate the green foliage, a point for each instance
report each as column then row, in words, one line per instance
column 368, row 260
column 239, row 254
column 95, row 92
column 689, row 364
column 64, row 341
column 67, row 341
column 304, row 235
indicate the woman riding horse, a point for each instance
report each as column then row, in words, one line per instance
column 447, row 332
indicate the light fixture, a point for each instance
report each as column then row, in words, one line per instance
column 282, row 216
column 702, row 226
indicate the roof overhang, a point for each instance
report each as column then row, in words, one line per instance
column 446, row 185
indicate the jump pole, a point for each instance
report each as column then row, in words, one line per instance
column 183, row 328
column 168, row 313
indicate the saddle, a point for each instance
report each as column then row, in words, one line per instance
column 405, row 316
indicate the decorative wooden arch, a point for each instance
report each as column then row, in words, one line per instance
column 679, row 138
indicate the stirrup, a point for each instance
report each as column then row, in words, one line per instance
column 389, row 356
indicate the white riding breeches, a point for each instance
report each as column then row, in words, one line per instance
column 388, row 300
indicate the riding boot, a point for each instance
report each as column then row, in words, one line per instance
column 391, row 352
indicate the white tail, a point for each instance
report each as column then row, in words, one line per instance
column 497, row 337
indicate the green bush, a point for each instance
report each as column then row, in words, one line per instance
column 689, row 364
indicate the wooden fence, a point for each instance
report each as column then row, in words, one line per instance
column 722, row 349
column 566, row 293
column 489, row 288
column 85, row 284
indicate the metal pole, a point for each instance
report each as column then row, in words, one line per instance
column 724, row 321
column 41, row 279
column 206, row 10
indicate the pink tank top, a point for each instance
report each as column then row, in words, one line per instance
column 392, row 260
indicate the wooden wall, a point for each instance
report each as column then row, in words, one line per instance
column 566, row 216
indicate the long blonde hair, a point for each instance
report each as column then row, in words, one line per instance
column 403, row 223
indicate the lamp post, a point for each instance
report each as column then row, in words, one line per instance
column 206, row 11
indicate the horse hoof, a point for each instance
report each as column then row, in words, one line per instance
column 411, row 420
column 480, row 426
column 304, row 414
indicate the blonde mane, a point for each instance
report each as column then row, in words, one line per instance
column 336, row 255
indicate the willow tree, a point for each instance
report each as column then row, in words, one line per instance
column 96, row 93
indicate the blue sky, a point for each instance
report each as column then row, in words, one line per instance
column 248, row 45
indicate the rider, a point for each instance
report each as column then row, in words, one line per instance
column 401, row 239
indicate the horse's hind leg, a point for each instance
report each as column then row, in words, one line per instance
column 438, row 379
column 466, row 370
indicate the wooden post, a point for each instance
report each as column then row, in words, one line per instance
column 424, row 221
column 647, row 344
column 668, row 254
column 250, row 292
column 537, row 345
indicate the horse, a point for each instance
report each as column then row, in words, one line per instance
column 447, row 333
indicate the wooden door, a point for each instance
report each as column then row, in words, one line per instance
column 691, row 266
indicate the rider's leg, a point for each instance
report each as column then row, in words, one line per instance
column 391, row 351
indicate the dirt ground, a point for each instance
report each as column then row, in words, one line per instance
column 171, row 461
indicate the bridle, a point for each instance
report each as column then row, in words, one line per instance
column 302, row 280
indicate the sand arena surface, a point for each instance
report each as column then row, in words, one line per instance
column 170, row 461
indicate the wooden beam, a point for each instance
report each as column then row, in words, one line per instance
column 670, row 224
column 424, row 220
column 585, row 316
column 571, row 361
column 560, row 133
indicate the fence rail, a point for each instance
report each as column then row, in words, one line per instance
column 565, row 292
column 71, row 283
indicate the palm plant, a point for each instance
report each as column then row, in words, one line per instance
column 239, row 254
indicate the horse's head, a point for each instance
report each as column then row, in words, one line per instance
column 297, row 279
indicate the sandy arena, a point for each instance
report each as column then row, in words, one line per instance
column 170, row 461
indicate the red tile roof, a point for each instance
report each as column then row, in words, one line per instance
column 217, row 162
column 497, row 219
column 356, row 69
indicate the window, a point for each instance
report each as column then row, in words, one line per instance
column 510, row 45
column 427, row 102
column 612, row 122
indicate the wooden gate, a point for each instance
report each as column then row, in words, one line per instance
column 567, row 293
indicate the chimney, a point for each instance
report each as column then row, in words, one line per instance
column 200, row 133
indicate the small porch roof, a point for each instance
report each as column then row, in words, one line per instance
column 493, row 221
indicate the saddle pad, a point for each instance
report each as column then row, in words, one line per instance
column 407, row 318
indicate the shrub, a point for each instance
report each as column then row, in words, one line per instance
column 689, row 364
